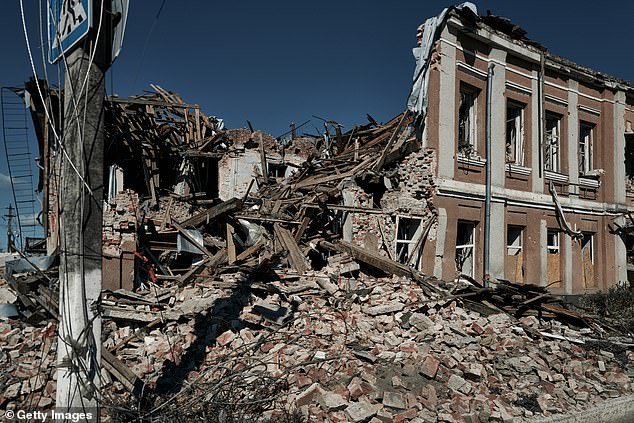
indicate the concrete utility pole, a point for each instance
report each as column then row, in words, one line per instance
column 79, row 342
column 10, row 242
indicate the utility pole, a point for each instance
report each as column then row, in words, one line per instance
column 79, row 342
column 10, row 243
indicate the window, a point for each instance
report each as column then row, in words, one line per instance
column 276, row 170
column 514, row 253
column 586, row 135
column 552, row 142
column 467, row 121
column 515, row 133
column 465, row 247
column 629, row 161
column 407, row 235
column 553, row 258
column 587, row 260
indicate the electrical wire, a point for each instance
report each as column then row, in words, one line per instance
column 66, row 323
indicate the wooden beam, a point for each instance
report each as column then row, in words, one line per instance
column 142, row 101
column 121, row 371
column 249, row 251
column 231, row 244
column 265, row 173
column 297, row 259
column 370, row 258
column 211, row 213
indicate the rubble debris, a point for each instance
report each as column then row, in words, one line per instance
column 295, row 296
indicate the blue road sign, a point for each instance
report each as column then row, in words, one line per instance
column 68, row 23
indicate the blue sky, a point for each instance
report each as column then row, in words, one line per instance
column 278, row 62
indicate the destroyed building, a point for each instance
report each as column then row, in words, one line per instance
column 540, row 139
column 321, row 273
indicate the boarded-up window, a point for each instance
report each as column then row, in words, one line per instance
column 553, row 258
column 587, row 260
column 515, row 253
column 465, row 248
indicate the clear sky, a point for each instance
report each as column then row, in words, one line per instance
column 279, row 62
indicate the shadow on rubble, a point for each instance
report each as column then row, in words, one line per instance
column 231, row 399
column 224, row 315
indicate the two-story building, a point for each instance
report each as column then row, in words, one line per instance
column 530, row 170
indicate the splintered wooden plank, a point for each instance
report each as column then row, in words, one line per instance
column 231, row 244
column 265, row 172
column 318, row 179
column 249, row 251
column 373, row 259
column 120, row 371
column 192, row 273
column 228, row 206
column 297, row 259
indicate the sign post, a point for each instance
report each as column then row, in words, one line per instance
column 86, row 55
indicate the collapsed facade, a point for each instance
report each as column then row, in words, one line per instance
column 250, row 275
column 503, row 131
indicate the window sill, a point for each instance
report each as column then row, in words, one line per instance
column 556, row 177
column 514, row 169
column 471, row 161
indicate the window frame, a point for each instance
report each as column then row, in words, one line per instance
column 556, row 247
column 462, row 247
column 404, row 242
column 520, row 238
column 552, row 150
column 468, row 138
column 516, row 156
column 586, row 159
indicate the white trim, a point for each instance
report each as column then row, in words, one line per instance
column 589, row 110
column 471, row 70
column 471, row 161
column 519, row 88
column 518, row 170
column 556, row 177
column 556, row 100
column 589, row 183
column 513, row 197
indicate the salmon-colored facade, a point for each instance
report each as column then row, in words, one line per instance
column 554, row 125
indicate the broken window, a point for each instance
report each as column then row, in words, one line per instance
column 467, row 121
column 515, row 133
column 629, row 160
column 515, row 254
column 407, row 235
column 276, row 170
column 552, row 141
column 553, row 258
column 587, row 260
column 586, row 135
column 465, row 248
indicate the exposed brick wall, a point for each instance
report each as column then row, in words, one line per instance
column 413, row 197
